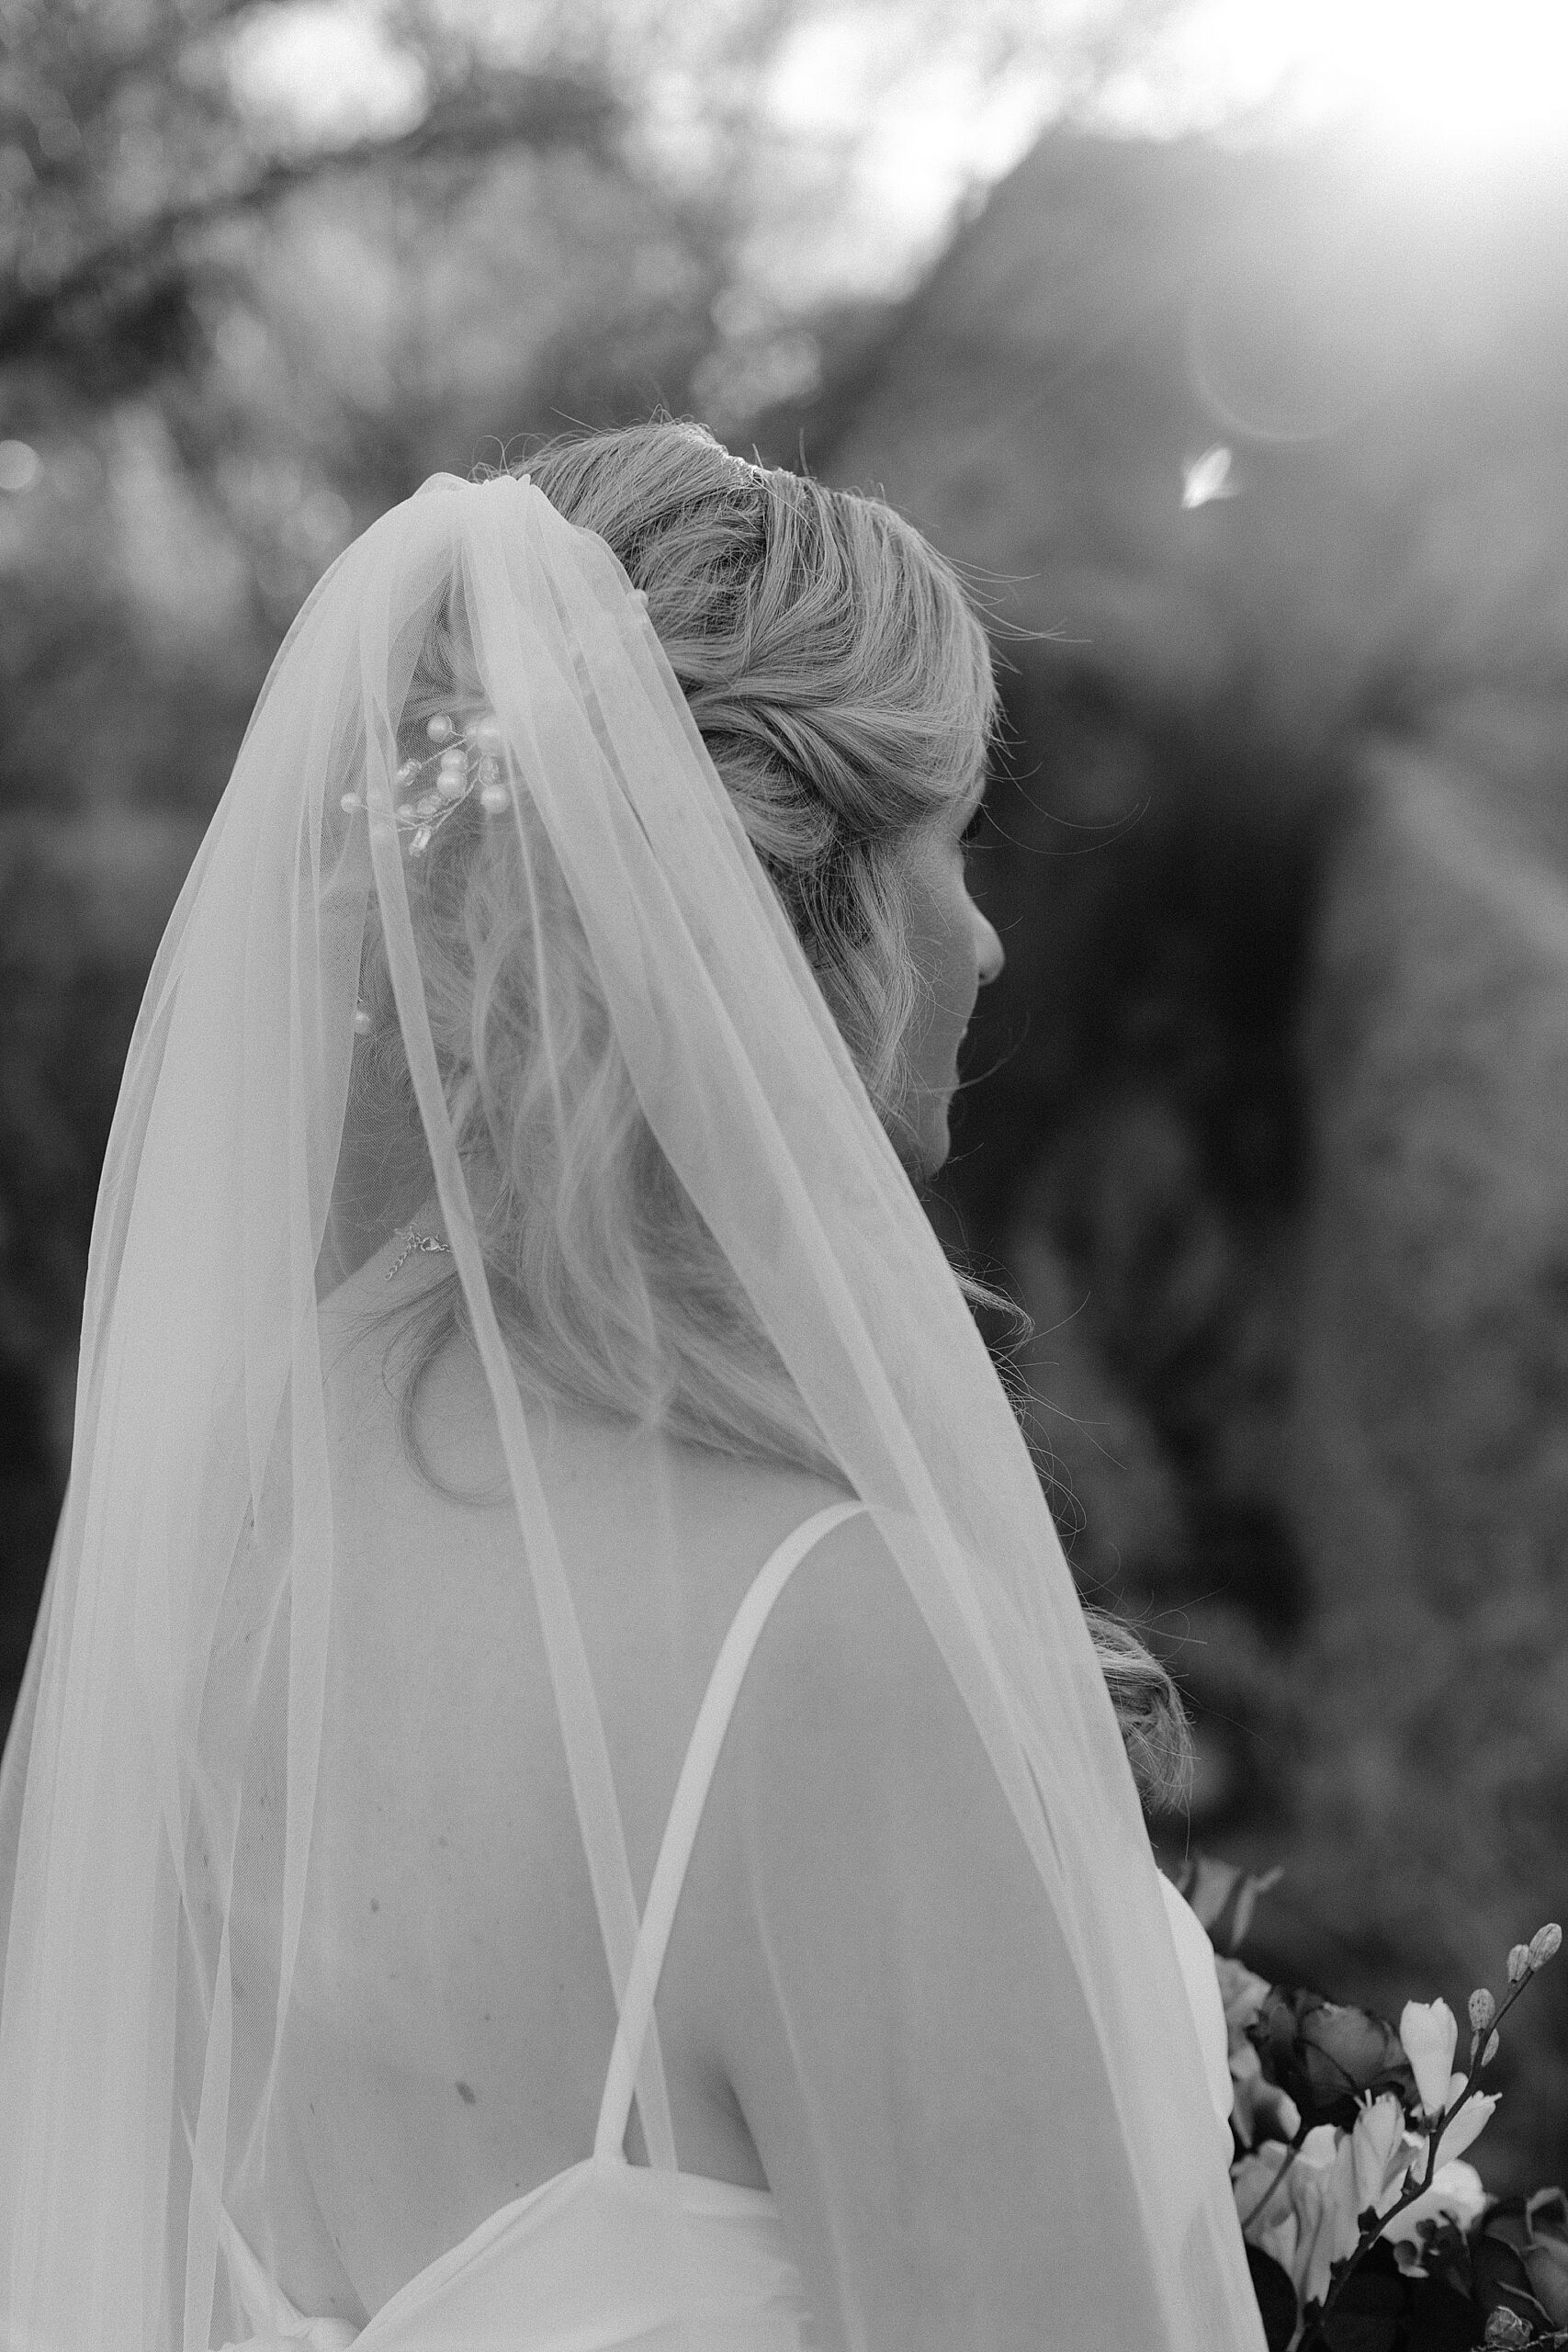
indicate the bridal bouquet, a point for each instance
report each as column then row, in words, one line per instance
column 1366, row 2229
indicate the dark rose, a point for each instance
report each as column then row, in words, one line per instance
column 1537, row 2229
column 1327, row 2055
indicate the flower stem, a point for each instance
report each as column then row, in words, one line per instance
column 1295, row 2151
column 1369, row 2238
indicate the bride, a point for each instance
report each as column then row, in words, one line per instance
column 563, row 1796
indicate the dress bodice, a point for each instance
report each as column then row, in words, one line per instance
column 590, row 2259
column 605, row 2257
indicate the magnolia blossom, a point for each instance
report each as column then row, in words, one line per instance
column 1456, row 2195
column 1382, row 2151
column 1304, row 2210
column 1430, row 2031
column 1467, row 2125
column 1308, row 2222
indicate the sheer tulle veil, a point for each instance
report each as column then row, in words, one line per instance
column 185, row 1629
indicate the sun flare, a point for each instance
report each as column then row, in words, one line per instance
column 1446, row 72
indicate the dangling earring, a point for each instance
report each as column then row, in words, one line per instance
column 363, row 1021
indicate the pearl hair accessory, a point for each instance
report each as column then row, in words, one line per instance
column 465, row 759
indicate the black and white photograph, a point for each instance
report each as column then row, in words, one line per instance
column 783, row 1175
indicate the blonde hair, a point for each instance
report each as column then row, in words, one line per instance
column 842, row 685
column 838, row 673
column 1149, row 1711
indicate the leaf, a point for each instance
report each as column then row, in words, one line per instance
column 1362, row 2331
column 1442, row 2320
column 1547, row 2213
column 1276, row 2298
column 1367, row 2315
column 1501, row 2279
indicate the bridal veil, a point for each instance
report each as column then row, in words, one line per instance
column 188, row 1616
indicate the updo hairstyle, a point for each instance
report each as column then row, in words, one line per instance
column 837, row 675
column 842, row 686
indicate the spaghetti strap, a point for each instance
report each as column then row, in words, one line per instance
column 685, row 1812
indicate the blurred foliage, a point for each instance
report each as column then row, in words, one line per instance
column 1268, row 1117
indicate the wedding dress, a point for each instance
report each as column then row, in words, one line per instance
column 472, row 747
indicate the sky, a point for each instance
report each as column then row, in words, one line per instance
column 904, row 91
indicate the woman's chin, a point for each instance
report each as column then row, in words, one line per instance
column 919, row 1132
column 926, row 1146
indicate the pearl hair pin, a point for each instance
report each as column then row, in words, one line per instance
column 464, row 760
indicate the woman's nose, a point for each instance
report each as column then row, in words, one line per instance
column 989, row 953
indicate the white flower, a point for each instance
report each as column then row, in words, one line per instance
column 1468, row 2125
column 1308, row 2222
column 1456, row 2195
column 1269, row 2220
column 1430, row 2031
column 1380, row 2151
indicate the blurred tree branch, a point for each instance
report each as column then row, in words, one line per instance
column 126, row 144
column 91, row 262
column 538, row 112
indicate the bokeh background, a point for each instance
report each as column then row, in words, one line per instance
column 1224, row 341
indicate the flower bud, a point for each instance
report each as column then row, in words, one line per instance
column 1545, row 1944
column 1428, row 2032
column 1491, row 2049
column 1518, row 1963
column 1483, row 2010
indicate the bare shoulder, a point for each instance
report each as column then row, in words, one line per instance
column 848, row 1652
column 854, row 1769
column 898, row 2016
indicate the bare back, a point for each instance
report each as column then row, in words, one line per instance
column 455, row 2012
